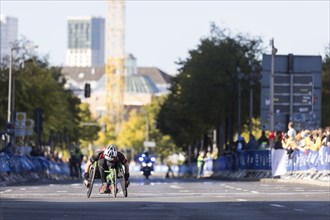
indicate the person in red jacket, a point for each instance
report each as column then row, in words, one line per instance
column 107, row 158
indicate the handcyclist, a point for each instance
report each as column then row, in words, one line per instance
column 107, row 158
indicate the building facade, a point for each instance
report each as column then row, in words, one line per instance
column 8, row 34
column 86, row 42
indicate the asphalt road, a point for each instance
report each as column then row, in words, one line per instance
column 159, row 198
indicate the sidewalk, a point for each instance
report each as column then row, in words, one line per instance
column 266, row 177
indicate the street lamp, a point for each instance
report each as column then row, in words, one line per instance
column 10, row 83
column 271, row 87
column 11, row 88
column 239, row 77
column 254, row 77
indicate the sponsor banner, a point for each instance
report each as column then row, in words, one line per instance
column 279, row 162
column 306, row 160
column 255, row 160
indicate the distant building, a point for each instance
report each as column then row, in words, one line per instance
column 8, row 34
column 140, row 88
column 86, row 41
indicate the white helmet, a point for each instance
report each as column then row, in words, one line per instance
column 110, row 153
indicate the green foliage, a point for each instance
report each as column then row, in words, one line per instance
column 204, row 93
column 107, row 133
column 134, row 132
column 88, row 131
column 325, row 109
column 38, row 85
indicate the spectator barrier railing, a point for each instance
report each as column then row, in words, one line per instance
column 269, row 163
column 25, row 165
column 254, row 163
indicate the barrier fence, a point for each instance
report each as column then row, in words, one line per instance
column 25, row 166
column 263, row 163
column 270, row 163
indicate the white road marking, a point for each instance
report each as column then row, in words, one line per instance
column 277, row 205
column 175, row 187
column 254, row 192
column 241, row 200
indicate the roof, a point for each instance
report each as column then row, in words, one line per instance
column 133, row 84
column 157, row 75
column 83, row 74
column 87, row 74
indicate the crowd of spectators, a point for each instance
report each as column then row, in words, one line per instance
column 305, row 140
column 290, row 140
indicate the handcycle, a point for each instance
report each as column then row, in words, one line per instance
column 112, row 176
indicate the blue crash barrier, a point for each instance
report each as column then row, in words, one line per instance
column 261, row 161
column 306, row 160
column 244, row 160
column 20, row 164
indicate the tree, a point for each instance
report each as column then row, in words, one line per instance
column 106, row 135
column 88, row 127
column 204, row 94
column 325, row 109
column 134, row 131
column 38, row 85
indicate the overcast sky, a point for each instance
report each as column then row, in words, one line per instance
column 158, row 33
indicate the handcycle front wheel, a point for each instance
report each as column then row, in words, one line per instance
column 92, row 172
column 114, row 183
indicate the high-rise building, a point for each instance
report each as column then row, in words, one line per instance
column 8, row 34
column 85, row 41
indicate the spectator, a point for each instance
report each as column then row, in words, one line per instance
column 289, row 144
column 240, row 143
column 271, row 139
column 301, row 139
column 292, row 132
column 75, row 162
column 200, row 164
column 308, row 140
column 263, row 141
column 252, row 144
column 327, row 137
column 278, row 140
column 169, row 169
column 317, row 141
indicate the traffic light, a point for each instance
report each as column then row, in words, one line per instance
column 10, row 128
column 38, row 120
column 87, row 90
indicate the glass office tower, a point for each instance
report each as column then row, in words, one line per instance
column 85, row 42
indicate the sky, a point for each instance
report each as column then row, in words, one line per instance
column 160, row 33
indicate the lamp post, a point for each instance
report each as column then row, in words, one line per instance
column 271, row 87
column 254, row 77
column 10, row 84
column 11, row 87
column 239, row 77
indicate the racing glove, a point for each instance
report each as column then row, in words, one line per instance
column 86, row 176
column 126, row 179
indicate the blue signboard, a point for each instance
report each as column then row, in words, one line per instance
column 297, row 91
